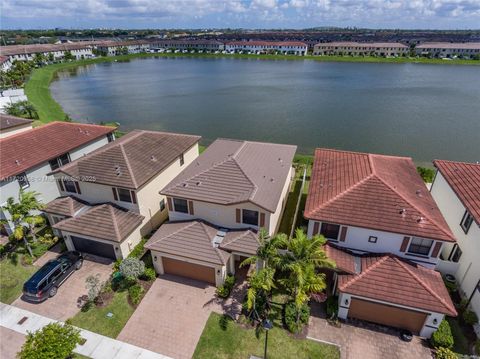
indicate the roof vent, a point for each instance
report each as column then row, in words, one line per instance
column 184, row 184
column 118, row 171
column 17, row 162
column 198, row 183
column 153, row 158
column 403, row 211
column 420, row 220
column 218, row 239
column 418, row 193
column 272, row 180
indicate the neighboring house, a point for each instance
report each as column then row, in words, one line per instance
column 27, row 52
column 456, row 189
column 110, row 198
column 361, row 48
column 448, row 50
column 197, row 45
column 5, row 63
column 234, row 184
column 199, row 250
column 389, row 290
column 28, row 156
column 114, row 48
column 375, row 203
column 11, row 125
column 283, row 47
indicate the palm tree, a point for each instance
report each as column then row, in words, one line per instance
column 258, row 294
column 267, row 252
column 21, row 214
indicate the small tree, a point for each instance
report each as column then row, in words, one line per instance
column 52, row 341
column 132, row 268
column 22, row 109
column 443, row 337
column 94, row 286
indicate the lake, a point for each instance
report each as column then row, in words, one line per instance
column 417, row 110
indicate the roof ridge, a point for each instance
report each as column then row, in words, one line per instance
column 217, row 251
column 414, row 206
column 358, row 153
column 255, row 187
column 461, row 162
column 178, row 230
column 115, row 222
column 365, row 272
column 127, row 163
column 422, row 283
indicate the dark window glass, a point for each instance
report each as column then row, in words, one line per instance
column 420, row 246
column 457, row 255
column 110, row 137
column 64, row 159
column 23, row 180
column 180, row 205
column 466, row 222
column 162, row 205
column 330, row 231
column 56, row 273
column 70, row 186
column 182, row 160
column 124, row 195
column 250, row 217
column 54, row 164
column 372, row 239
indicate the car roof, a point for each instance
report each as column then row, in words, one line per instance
column 43, row 271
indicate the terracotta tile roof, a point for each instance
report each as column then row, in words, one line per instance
column 362, row 44
column 449, row 45
column 233, row 171
column 104, row 221
column 132, row 160
column 373, row 191
column 7, row 121
column 190, row 239
column 36, row 48
column 40, row 144
column 65, row 206
column 266, row 43
column 391, row 279
column 241, row 241
column 344, row 260
column 464, row 178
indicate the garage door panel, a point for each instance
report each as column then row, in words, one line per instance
column 387, row 315
column 93, row 247
column 189, row 270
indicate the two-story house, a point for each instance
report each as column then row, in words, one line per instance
column 234, row 187
column 376, row 205
column 11, row 125
column 456, row 189
column 28, row 155
column 110, row 198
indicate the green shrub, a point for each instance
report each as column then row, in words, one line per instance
column 427, row 174
column 224, row 290
column 443, row 337
column 138, row 251
column 451, row 286
column 52, row 341
column 116, row 265
column 291, row 317
column 470, row 317
column 332, row 306
column 135, row 292
column 445, row 353
column 132, row 268
column 149, row 274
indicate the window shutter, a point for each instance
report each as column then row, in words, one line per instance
column 190, row 207
column 77, row 187
column 436, row 249
column 343, row 234
column 316, row 227
column 237, row 214
column 262, row 219
column 404, row 246
column 60, row 184
column 169, row 203
column 134, row 197
column 115, row 197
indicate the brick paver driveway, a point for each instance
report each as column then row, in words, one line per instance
column 171, row 316
column 365, row 343
column 64, row 304
column 10, row 343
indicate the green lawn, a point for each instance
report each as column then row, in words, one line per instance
column 222, row 338
column 12, row 276
column 96, row 319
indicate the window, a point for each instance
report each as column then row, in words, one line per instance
column 23, row 180
column 56, row 219
column 372, row 239
column 59, row 161
column 182, row 160
column 56, row 273
column 457, row 255
column 250, row 217
column 110, row 137
column 420, row 246
column 162, row 205
column 180, row 205
column 330, row 231
column 124, row 195
column 70, row 186
column 466, row 222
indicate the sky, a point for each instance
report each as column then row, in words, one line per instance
column 255, row 14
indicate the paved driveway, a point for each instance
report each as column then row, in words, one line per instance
column 64, row 304
column 171, row 316
column 10, row 343
column 365, row 342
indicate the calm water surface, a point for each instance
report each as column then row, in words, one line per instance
column 422, row 111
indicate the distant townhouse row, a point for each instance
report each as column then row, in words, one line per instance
column 361, row 49
column 448, row 50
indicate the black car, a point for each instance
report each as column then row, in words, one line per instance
column 45, row 282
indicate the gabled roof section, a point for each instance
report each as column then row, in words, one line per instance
column 241, row 241
column 132, row 160
column 7, row 121
column 31, row 148
column 391, row 279
column 190, row 239
column 104, row 221
column 344, row 260
column 373, row 191
column 464, row 179
column 66, row 206
column 233, row 171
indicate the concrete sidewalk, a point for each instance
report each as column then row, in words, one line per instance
column 96, row 346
